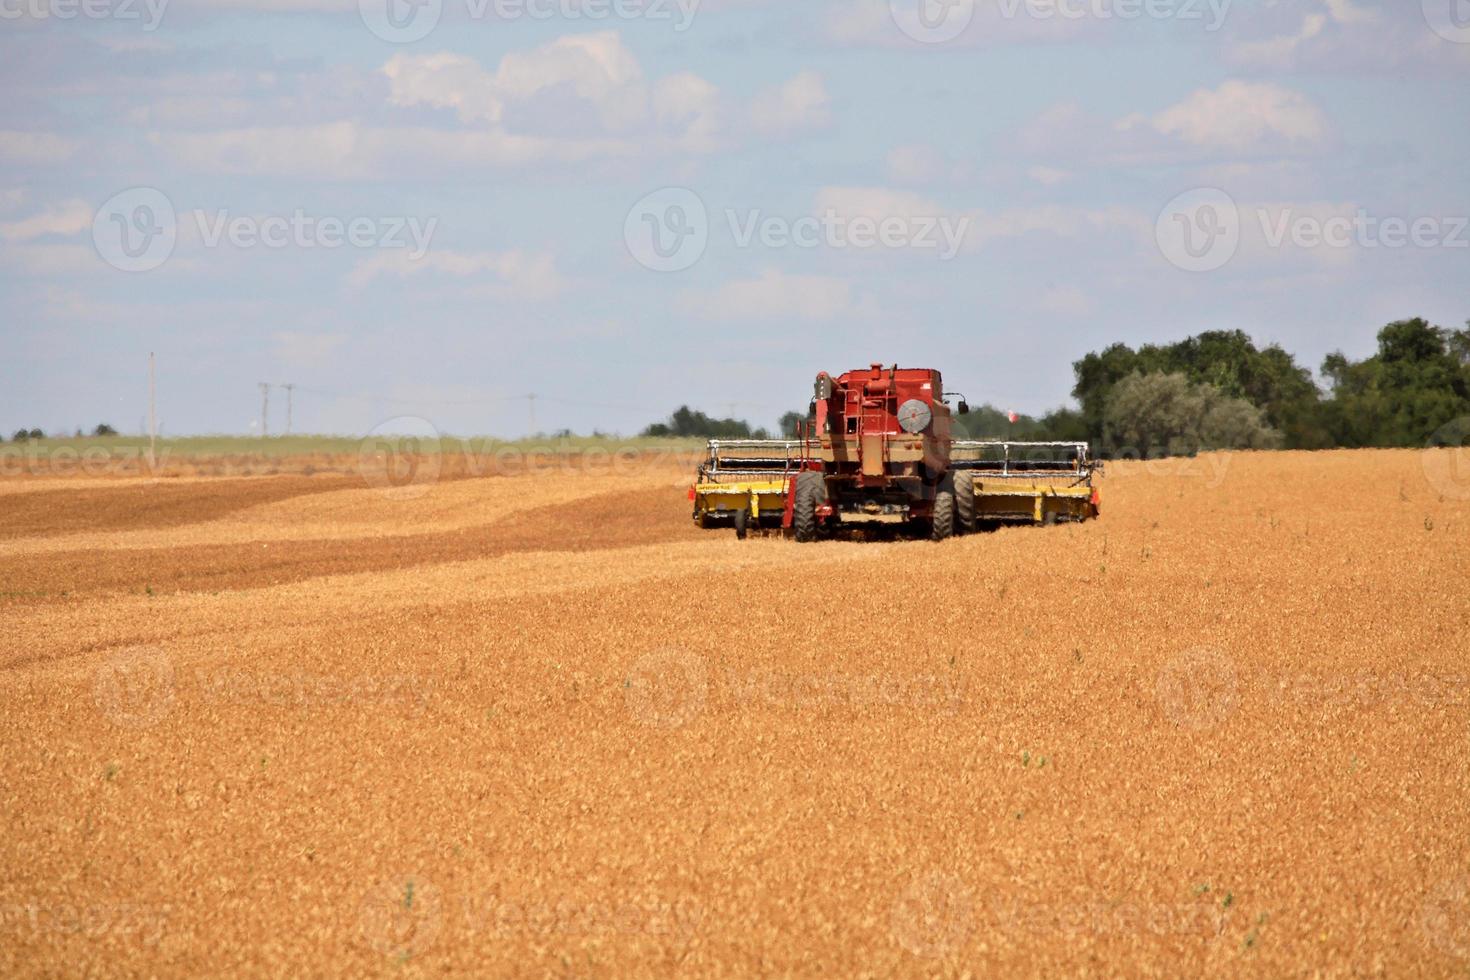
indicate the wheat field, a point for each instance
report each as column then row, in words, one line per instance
column 540, row 724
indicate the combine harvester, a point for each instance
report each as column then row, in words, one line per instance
column 877, row 452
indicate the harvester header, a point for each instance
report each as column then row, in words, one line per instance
column 878, row 449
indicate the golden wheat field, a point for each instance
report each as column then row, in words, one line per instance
column 540, row 724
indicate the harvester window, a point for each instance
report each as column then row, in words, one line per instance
column 852, row 424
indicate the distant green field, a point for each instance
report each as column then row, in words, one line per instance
column 183, row 447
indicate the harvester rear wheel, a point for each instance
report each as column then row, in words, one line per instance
column 810, row 491
column 741, row 517
column 964, row 501
column 943, row 524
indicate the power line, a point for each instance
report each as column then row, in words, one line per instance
column 152, row 416
column 289, row 388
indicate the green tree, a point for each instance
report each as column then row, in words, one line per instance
column 1227, row 361
column 789, row 423
column 688, row 423
column 1165, row 414
column 1418, row 381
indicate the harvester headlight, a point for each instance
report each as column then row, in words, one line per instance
column 914, row 416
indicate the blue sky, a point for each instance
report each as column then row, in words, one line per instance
column 1109, row 170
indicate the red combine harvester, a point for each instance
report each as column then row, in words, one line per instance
column 881, row 444
column 878, row 450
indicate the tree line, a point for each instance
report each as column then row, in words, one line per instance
column 1218, row 390
column 26, row 435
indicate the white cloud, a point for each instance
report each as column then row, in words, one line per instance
column 1341, row 37
column 775, row 295
column 922, row 163
column 574, row 99
column 799, row 104
column 513, row 274
column 68, row 218
column 1062, row 221
column 915, row 164
column 687, row 103
column 876, row 202
column 444, row 80
column 344, row 150
column 1238, row 120
column 598, row 69
column 1049, row 176
column 26, row 147
column 1242, row 117
column 573, row 88
column 51, row 260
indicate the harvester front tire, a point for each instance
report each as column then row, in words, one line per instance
column 964, row 501
column 943, row 524
column 810, row 491
column 741, row 517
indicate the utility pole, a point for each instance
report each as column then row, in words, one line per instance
column 288, row 406
column 531, row 401
column 152, row 416
column 265, row 405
